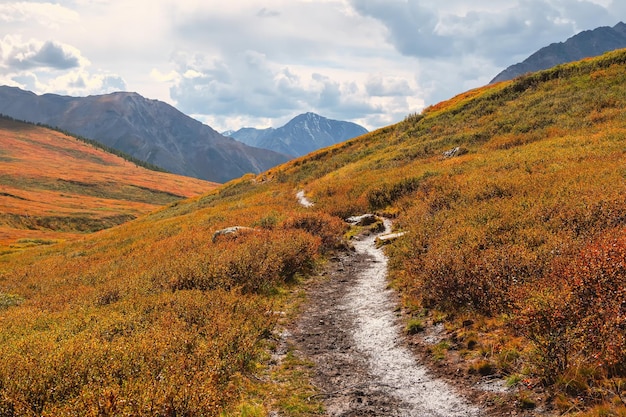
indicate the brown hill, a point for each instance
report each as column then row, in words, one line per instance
column 54, row 186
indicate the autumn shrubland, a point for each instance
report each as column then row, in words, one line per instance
column 516, row 242
column 522, row 227
column 154, row 317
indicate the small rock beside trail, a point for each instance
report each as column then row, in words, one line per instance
column 384, row 239
column 363, row 220
column 233, row 230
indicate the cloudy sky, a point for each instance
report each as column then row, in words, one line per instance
column 259, row 63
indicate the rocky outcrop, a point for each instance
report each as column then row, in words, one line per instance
column 457, row 151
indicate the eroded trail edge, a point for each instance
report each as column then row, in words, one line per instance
column 351, row 333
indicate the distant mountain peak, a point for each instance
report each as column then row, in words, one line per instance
column 620, row 27
column 586, row 44
column 303, row 134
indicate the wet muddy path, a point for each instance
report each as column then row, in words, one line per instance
column 350, row 331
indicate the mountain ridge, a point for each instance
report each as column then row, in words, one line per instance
column 585, row 44
column 150, row 130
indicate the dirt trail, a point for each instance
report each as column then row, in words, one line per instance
column 350, row 331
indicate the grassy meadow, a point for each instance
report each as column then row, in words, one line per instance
column 516, row 241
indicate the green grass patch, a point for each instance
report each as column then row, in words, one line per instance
column 414, row 326
column 9, row 300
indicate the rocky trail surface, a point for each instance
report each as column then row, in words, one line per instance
column 350, row 330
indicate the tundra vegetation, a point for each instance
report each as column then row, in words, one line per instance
column 54, row 186
column 517, row 243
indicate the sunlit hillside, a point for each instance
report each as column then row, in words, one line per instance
column 53, row 186
column 512, row 197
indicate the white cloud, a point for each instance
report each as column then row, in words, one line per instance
column 161, row 77
column 462, row 45
column 52, row 67
column 261, row 62
column 82, row 82
column 265, row 12
column 249, row 86
column 74, row 83
column 50, row 15
column 390, row 86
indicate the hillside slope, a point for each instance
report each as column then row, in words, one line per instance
column 512, row 200
column 149, row 130
column 303, row 134
column 589, row 43
column 54, row 186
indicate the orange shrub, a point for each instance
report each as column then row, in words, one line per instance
column 178, row 355
column 544, row 316
column 474, row 279
column 253, row 262
column 328, row 228
column 579, row 309
column 598, row 280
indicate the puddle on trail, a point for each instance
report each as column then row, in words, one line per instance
column 377, row 336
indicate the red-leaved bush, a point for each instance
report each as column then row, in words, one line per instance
column 580, row 309
column 598, row 282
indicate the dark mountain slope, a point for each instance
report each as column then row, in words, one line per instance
column 148, row 130
column 586, row 44
column 301, row 135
